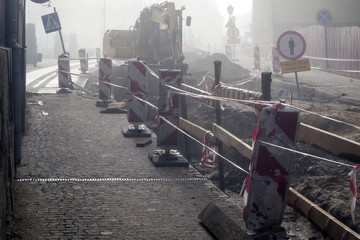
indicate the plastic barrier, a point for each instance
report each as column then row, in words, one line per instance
column 64, row 76
column 105, row 72
column 168, row 108
column 84, row 64
column 98, row 55
column 137, row 109
column 276, row 63
column 256, row 57
column 267, row 185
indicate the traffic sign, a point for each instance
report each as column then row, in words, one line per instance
column 324, row 17
column 233, row 32
column 51, row 22
column 291, row 45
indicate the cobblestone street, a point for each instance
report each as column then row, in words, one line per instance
column 112, row 190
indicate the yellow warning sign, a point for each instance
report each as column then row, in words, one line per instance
column 233, row 41
column 295, row 66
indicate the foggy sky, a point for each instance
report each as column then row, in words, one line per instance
column 86, row 19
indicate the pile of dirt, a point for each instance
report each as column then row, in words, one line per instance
column 230, row 72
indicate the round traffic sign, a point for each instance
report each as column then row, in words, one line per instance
column 233, row 32
column 324, row 17
column 291, row 45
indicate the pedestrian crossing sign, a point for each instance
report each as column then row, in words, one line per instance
column 51, row 22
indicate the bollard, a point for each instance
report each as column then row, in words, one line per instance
column 276, row 63
column 105, row 72
column 256, row 57
column 84, row 66
column 167, row 135
column 137, row 109
column 266, row 85
column 267, row 186
column 64, row 76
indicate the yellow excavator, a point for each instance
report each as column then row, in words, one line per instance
column 156, row 37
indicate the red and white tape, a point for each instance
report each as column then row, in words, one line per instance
column 353, row 191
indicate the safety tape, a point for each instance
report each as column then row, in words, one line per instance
column 96, row 58
column 333, row 59
column 306, row 154
column 150, row 70
column 255, row 102
column 93, row 77
column 336, row 70
column 188, row 135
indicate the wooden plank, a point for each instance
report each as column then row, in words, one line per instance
column 231, row 140
column 193, row 129
column 325, row 221
column 335, row 144
column 220, row 224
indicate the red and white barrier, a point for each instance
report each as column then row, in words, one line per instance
column 84, row 64
column 256, row 57
column 276, row 62
column 168, row 107
column 137, row 87
column 98, row 55
column 267, row 185
column 105, row 72
column 64, row 76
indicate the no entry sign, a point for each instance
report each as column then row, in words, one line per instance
column 291, row 45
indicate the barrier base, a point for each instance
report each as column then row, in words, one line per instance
column 132, row 131
column 172, row 158
column 63, row 90
column 276, row 232
column 102, row 103
column 114, row 111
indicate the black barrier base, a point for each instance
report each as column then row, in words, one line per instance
column 161, row 158
column 131, row 131
column 114, row 111
column 102, row 103
column 63, row 90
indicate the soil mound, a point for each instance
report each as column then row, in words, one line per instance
column 230, row 72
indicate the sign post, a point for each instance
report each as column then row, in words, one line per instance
column 324, row 17
column 52, row 24
column 232, row 32
column 291, row 45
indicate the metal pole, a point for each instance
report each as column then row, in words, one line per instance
column 297, row 84
column 61, row 38
column 11, row 40
column 217, row 65
column 326, row 48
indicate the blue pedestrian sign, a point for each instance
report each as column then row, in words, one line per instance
column 51, row 22
column 324, row 17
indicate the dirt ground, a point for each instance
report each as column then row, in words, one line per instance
column 324, row 183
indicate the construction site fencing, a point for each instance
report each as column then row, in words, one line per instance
column 333, row 48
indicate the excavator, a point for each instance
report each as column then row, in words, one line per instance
column 156, row 37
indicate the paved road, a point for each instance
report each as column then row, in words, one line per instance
column 68, row 138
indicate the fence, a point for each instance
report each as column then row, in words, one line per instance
column 334, row 48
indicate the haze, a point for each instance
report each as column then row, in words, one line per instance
column 89, row 19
